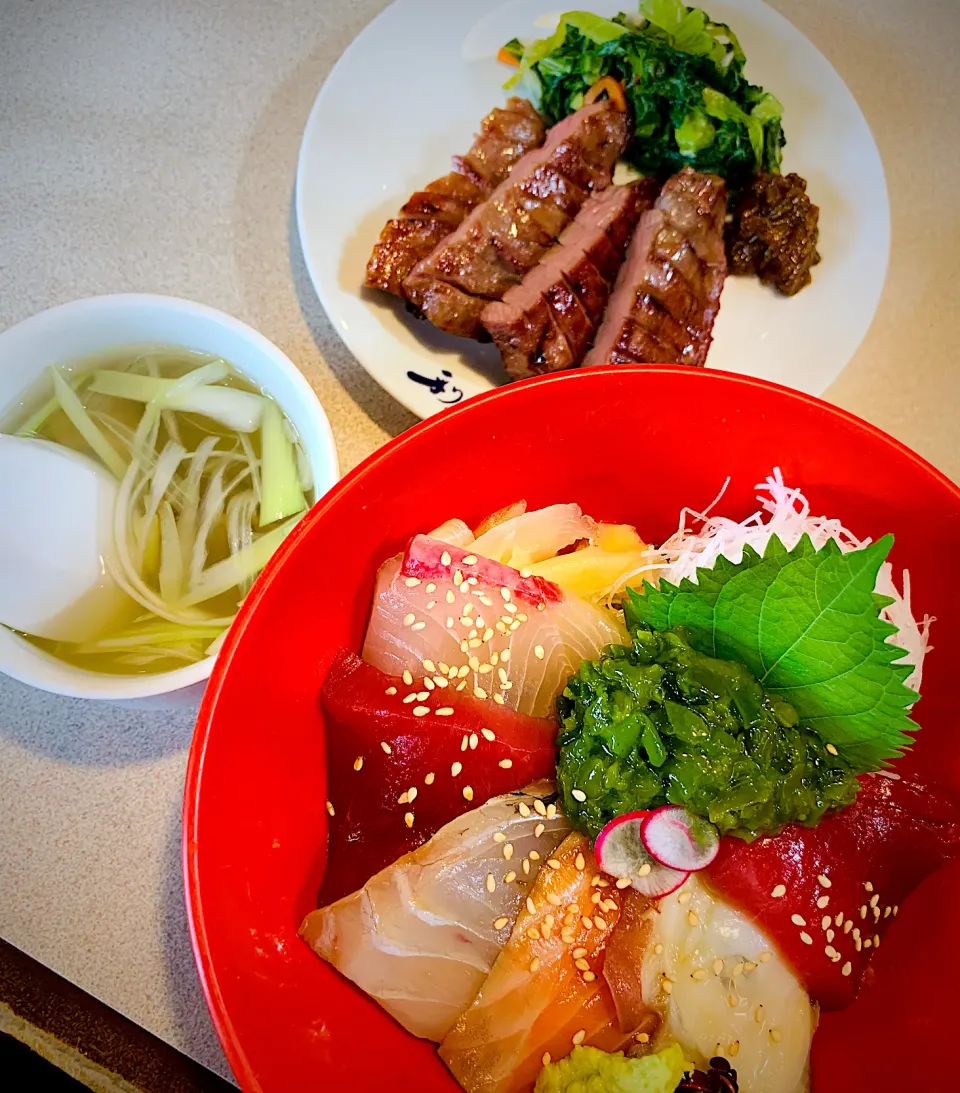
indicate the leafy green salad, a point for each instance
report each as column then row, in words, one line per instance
column 681, row 74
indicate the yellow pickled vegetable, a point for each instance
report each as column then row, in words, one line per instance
column 619, row 538
column 598, row 573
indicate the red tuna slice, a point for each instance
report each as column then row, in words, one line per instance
column 825, row 895
column 448, row 752
column 461, row 622
column 911, row 983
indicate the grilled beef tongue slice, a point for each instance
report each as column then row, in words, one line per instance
column 431, row 214
column 546, row 322
column 668, row 292
column 506, row 236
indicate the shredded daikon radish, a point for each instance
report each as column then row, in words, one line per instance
column 785, row 512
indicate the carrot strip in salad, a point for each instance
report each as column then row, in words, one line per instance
column 614, row 90
column 505, row 57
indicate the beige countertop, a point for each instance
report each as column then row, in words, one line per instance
column 152, row 146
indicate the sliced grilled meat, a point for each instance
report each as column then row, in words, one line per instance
column 431, row 214
column 668, row 292
column 510, row 232
column 546, row 322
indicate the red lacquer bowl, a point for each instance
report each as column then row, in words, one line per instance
column 630, row 444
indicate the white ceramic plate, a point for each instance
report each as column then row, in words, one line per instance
column 410, row 92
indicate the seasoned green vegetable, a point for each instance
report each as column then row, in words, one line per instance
column 659, row 723
column 807, row 623
column 683, row 78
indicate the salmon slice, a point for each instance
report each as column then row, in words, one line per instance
column 546, row 992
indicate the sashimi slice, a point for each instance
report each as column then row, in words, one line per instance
column 402, row 762
column 481, row 627
column 535, row 536
column 455, row 532
column 421, row 936
column 546, row 992
column 508, row 512
column 718, row 985
column 911, row 995
column 432, row 560
column 825, row 895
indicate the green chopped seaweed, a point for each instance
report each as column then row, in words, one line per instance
column 683, row 79
column 807, row 623
column 659, row 723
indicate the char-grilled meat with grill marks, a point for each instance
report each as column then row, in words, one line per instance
column 547, row 322
column 430, row 215
column 668, row 292
column 508, row 234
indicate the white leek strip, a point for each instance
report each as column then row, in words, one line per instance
column 50, row 407
column 254, row 462
column 146, row 435
column 160, row 652
column 157, row 636
column 303, row 468
column 241, row 511
column 281, row 494
column 73, row 408
column 229, row 573
column 170, row 577
column 238, row 479
column 33, row 423
column 211, row 509
column 191, row 494
column 167, row 465
column 217, row 644
column 120, row 432
column 121, row 565
column 206, row 374
column 231, row 407
column 168, row 417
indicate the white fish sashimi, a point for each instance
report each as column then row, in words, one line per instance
column 730, row 993
column 454, row 531
column 785, row 512
column 472, row 632
column 536, row 536
column 544, row 655
column 390, row 644
column 419, row 937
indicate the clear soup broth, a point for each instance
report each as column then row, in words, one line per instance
column 211, row 478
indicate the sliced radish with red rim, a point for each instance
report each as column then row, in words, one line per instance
column 678, row 839
column 621, row 853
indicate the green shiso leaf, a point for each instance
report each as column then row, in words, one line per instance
column 807, row 624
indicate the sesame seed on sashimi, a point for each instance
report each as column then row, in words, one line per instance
column 403, row 761
column 827, row 894
column 462, row 622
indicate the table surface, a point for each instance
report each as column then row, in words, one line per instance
column 151, row 145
